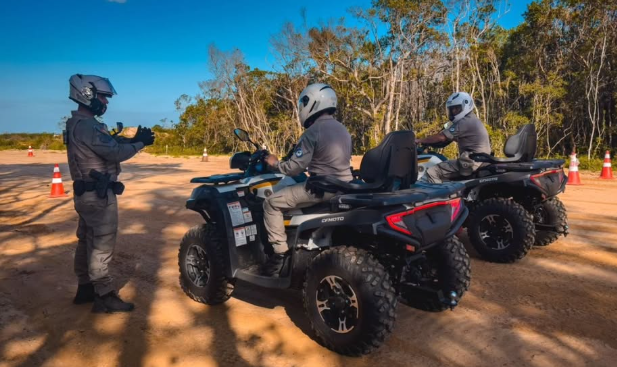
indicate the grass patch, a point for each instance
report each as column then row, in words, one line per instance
column 42, row 141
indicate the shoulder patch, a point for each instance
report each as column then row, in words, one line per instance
column 102, row 135
column 105, row 138
column 299, row 152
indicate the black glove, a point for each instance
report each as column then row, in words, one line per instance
column 144, row 135
column 138, row 132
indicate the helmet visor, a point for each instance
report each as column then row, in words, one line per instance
column 103, row 86
column 454, row 110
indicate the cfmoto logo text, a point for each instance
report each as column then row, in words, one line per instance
column 489, row 179
column 329, row 220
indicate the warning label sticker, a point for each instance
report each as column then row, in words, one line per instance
column 251, row 230
column 247, row 215
column 235, row 211
column 240, row 235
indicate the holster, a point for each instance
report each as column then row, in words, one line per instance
column 465, row 164
column 314, row 189
column 101, row 184
column 79, row 187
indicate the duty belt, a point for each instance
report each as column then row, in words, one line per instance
column 80, row 187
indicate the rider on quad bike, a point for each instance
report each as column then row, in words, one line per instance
column 513, row 200
column 379, row 239
column 324, row 148
column 470, row 134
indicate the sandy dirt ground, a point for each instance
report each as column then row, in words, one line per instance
column 557, row 307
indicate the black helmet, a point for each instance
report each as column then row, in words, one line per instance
column 85, row 88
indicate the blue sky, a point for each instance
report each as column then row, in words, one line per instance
column 152, row 51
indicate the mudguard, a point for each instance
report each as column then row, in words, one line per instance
column 547, row 184
column 234, row 216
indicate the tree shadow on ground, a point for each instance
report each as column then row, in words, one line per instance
column 37, row 285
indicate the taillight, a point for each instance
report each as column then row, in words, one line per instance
column 536, row 178
column 397, row 223
column 456, row 208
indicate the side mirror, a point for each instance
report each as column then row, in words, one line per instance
column 242, row 135
column 118, row 129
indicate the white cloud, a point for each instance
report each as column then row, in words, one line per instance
column 117, row 1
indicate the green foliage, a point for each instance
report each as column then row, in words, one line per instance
column 42, row 141
column 593, row 164
column 395, row 67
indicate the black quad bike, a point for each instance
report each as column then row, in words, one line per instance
column 513, row 201
column 353, row 257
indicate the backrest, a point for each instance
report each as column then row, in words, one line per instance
column 393, row 162
column 523, row 144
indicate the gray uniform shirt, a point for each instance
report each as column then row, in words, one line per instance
column 91, row 146
column 470, row 134
column 324, row 149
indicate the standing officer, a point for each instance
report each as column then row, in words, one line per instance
column 324, row 149
column 465, row 129
column 94, row 161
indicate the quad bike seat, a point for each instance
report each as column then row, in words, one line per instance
column 520, row 147
column 392, row 165
column 418, row 193
column 519, row 167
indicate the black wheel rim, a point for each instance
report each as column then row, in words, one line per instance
column 496, row 232
column 337, row 304
column 197, row 266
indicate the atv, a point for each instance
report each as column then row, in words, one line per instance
column 353, row 257
column 513, row 201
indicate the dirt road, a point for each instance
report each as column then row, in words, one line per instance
column 556, row 307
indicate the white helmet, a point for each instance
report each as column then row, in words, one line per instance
column 461, row 99
column 314, row 99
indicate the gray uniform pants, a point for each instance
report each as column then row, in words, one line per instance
column 445, row 171
column 96, row 234
column 290, row 197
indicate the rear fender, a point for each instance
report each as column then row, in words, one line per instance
column 211, row 204
column 550, row 182
column 202, row 200
column 317, row 233
column 363, row 220
column 520, row 191
column 517, row 185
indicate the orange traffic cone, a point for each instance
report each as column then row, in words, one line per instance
column 30, row 151
column 573, row 176
column 607, row 170
column 204, row 157
column 57, row 189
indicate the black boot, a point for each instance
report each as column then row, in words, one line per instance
column 85, row 294
column 273, row 265
column 110, row 303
